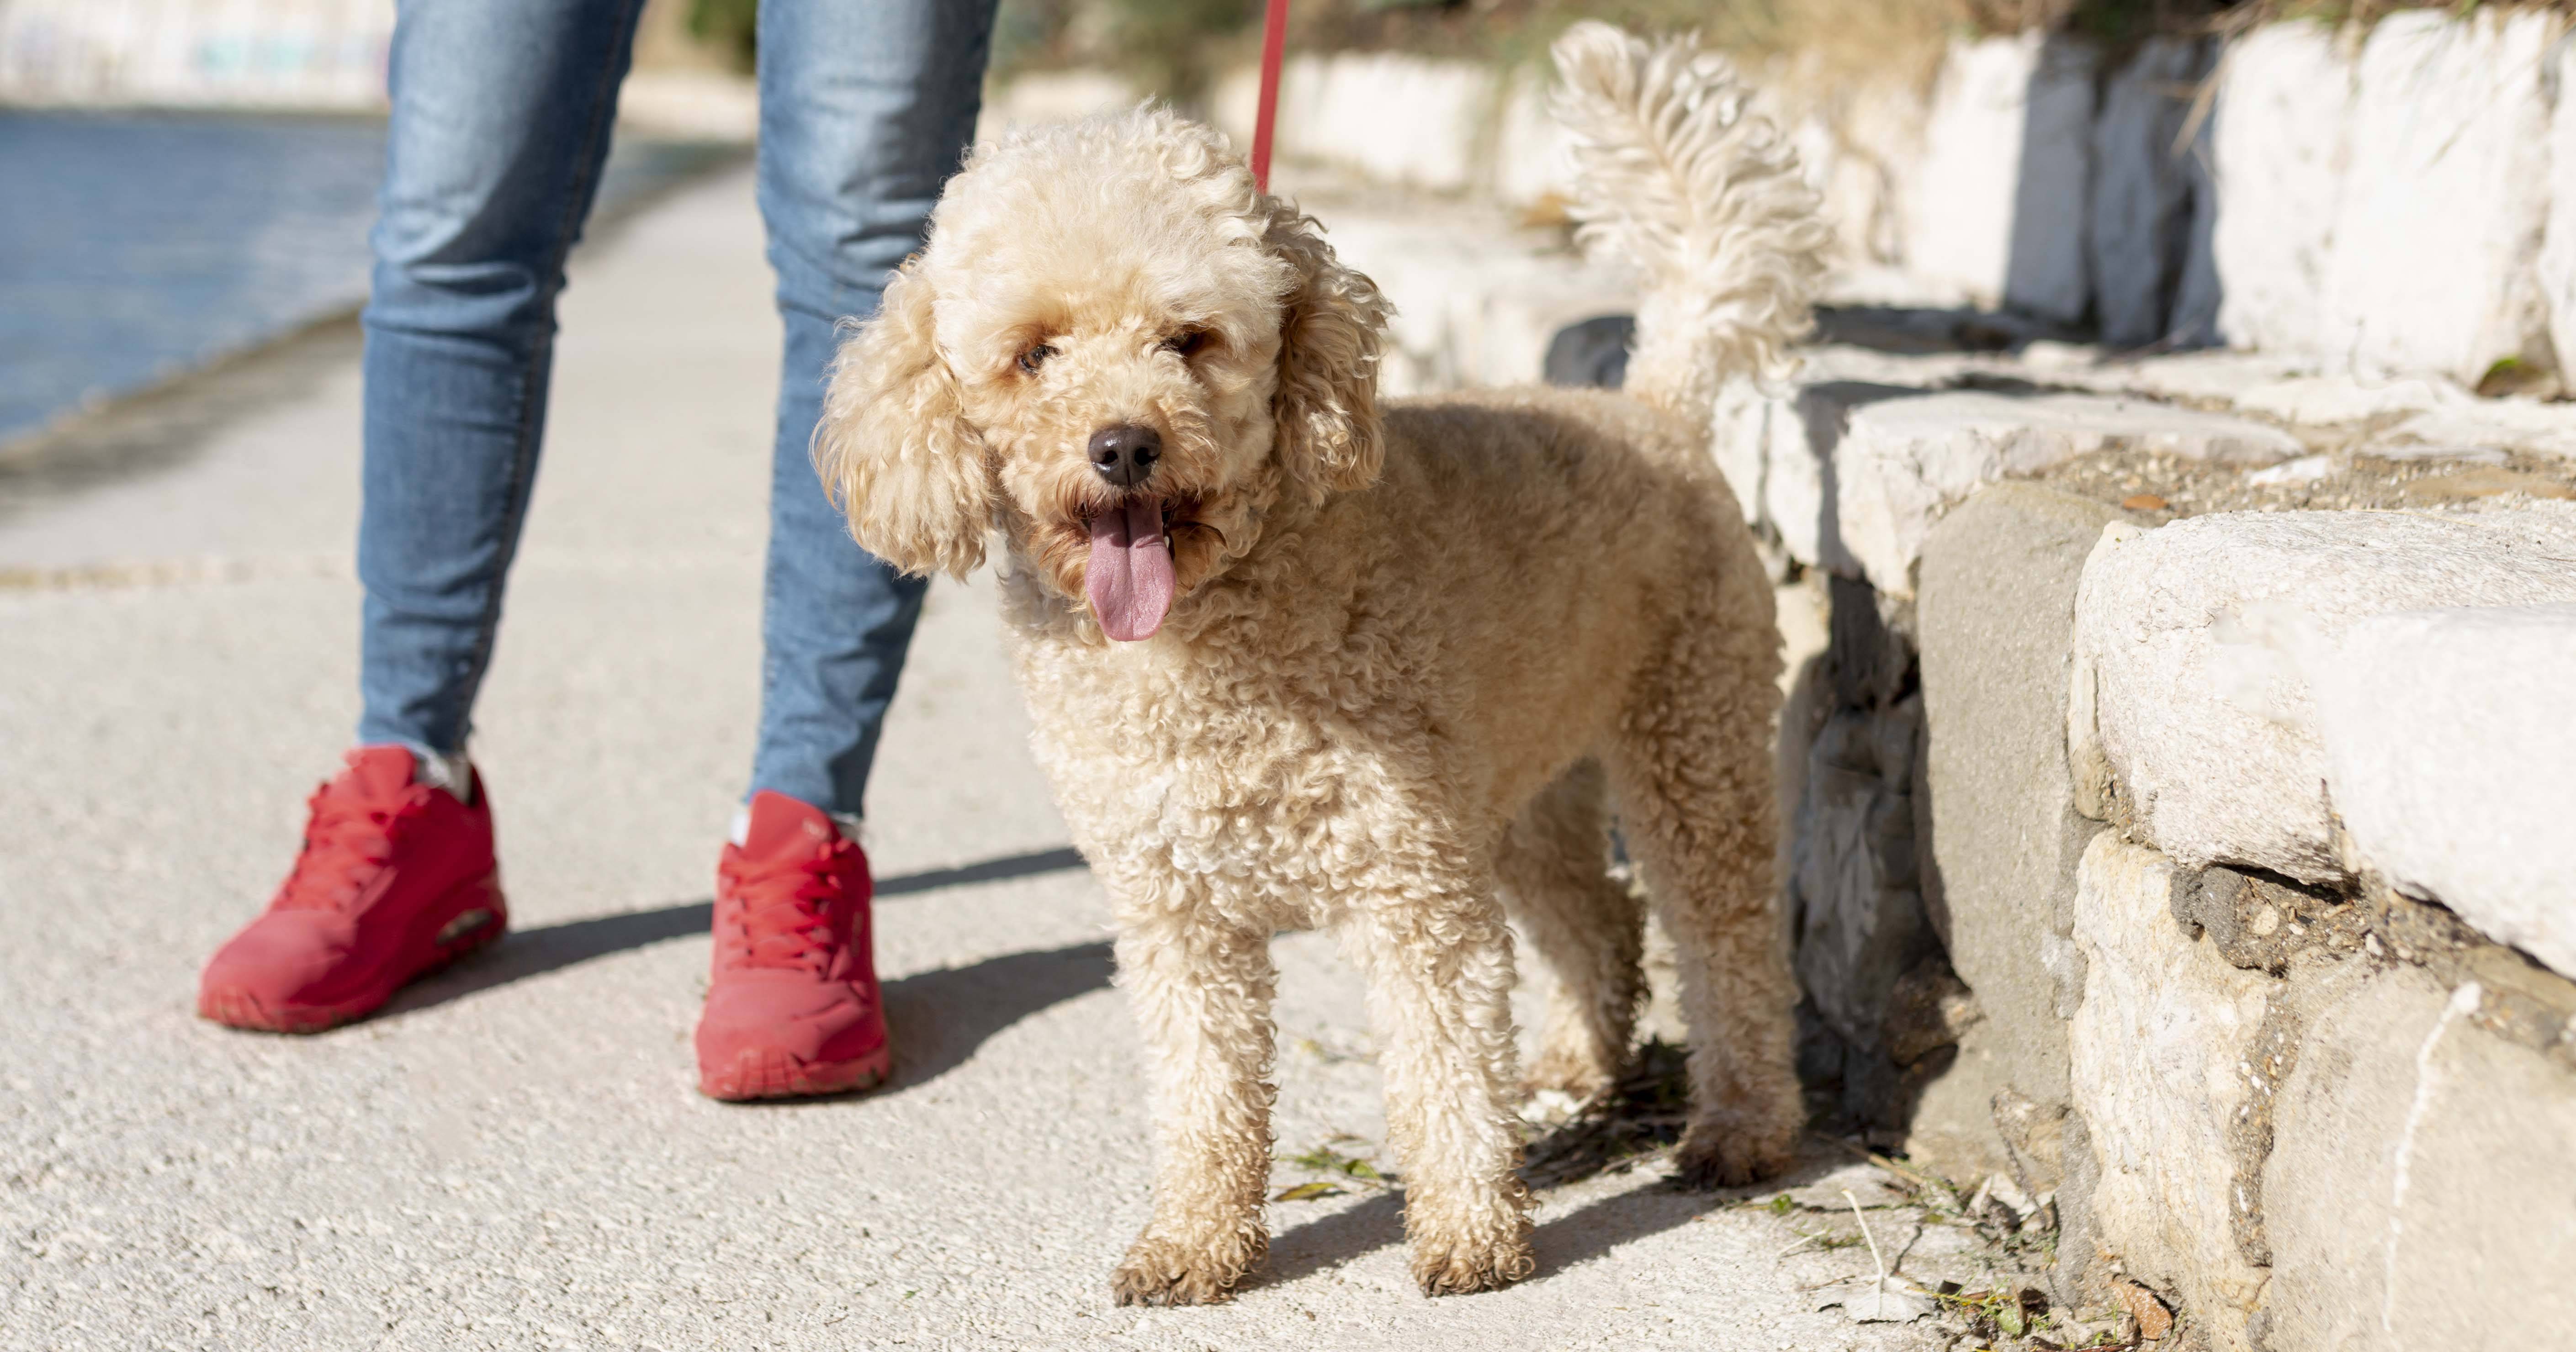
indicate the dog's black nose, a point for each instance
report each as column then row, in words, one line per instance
column 1125, row 454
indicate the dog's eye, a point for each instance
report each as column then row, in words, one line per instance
column 1186, row 341
column 1035, row 357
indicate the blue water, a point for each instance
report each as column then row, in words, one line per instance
column 135, row 246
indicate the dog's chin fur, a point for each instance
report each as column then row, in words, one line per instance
column 1413, row 658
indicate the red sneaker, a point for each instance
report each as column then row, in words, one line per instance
column 396, row 878
column 793, row 1005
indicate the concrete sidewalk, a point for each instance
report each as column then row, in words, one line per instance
column 513, row 1156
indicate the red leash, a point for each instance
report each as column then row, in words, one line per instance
column 1274, row 45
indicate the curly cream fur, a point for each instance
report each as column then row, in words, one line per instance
column 1415, row 652
column 1674, row 172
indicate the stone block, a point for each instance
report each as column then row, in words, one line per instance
column 1873, row 133
column 1338, row 110
column 1796, row 473
column 1853, row 883
column 2448, row 738
column 2205, row 377
column 2160, row 1050
column 2198, row 293
column 2557, row 267
column 2187, row 689
column 1900, row 463
column 1477, row 303
column 2330, row 400
column 1335, row 110
column 2279, row 138
column 1952, row 1131
column 1994, row 206
column 1532, row 152
column 2437, row 235
column 1739, row 440
column 1852, row 474
column 1995, row 622
column 2420, row 1193
column 2518, row 423
column 2141, row 225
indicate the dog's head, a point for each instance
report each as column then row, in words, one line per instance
column 1116, row 351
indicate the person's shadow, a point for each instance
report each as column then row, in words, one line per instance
column 942, row 1015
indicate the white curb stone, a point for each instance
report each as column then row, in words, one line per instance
column 2437, row 235
column 1877, row 133
column 1900, row 458
column 2158, row 1050
column 2140, row 225
column 1532, row 151
column 2557, row 267
column 2283, row 120
column 1341, row 110
column 1475, row 303
column 1995, row 205
column 2187, row 686
column 2330, row 400
column 2449, row 738
column 2516, row 423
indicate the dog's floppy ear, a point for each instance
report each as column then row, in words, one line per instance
column 894, row 449
column 1325, row 410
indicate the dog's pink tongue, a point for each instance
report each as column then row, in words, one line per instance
column 1130, row 574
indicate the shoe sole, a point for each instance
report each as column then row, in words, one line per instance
column 768, row 1073
column 234, row 1007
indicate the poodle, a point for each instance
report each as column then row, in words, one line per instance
column 1300, row 659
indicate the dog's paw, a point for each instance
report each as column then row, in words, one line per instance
column 1457, row 1268
column 1724, row 1155
column 1160, row 1271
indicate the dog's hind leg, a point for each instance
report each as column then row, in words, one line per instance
column 1201, row 992
column 1693, row 777
column 1439, row 965
column 1587, row 929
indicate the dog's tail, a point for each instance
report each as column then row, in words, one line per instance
column 1673, row 171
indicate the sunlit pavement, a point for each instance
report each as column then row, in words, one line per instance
column 512, row 1156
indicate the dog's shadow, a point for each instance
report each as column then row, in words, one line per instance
column 1559, row 1242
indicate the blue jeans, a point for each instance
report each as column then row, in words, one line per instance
column 501, row 115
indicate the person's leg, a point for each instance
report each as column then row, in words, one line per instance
column 501, row 113
column 865, row 112
column 500, row 123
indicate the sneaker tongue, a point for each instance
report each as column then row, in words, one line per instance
column 781, row 825
column 380, row 772
column 1129, row 576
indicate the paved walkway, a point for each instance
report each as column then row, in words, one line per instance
column 513, row 1155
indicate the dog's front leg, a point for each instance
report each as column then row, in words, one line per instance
column 1440, row 983
column 1201, row 991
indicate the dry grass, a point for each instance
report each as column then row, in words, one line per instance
column 1640, row 1118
